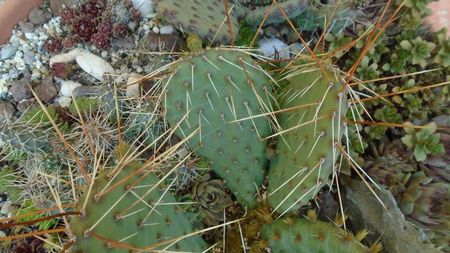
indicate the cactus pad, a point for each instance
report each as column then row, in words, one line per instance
column 126, row 219
column 305, row 236
column 205, row 18
column 315, row 105
column 207, row 92
column 292, row 8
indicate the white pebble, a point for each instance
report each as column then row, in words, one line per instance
column 93, row 65
column 167, row 29
column 67, row 87
column 64, row 101
column 144, row 6
column 274, row 48
column 155, row 29
column 133, row 88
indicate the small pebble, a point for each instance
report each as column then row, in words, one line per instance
column 64, row 101
column 67, row 88
column 167, row 29
column 20, row 90
column 26, row 27
column 7, row 51
column 155, row 29
column 7, row 110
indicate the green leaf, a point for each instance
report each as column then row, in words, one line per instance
column 406, row 45
column 419, row 154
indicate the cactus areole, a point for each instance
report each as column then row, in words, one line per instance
column 212, row 99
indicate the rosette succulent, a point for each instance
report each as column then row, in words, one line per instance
column 423, row 142
column 212, row 198
column 420, row 50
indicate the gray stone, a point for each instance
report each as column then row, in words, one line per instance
column 38, row 16
column 126, row 43
column 20, row 90
column 24, row 105
column 7, row 110
column 7, row 51
column 26, row 27
column 46, row 91
column 397, row 234
column 29, row 58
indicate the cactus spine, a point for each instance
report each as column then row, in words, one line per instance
column 315, row 104
column 209, row 95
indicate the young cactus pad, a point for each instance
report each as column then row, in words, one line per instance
column 215, row 94
column 305, row 236
column 315, row 105
column 131, row 215
column 205, row 18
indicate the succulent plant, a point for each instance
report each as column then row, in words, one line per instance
column 202, row 18
column 120, row 30
column 391, row 166
column 115, row 221
column 305, row 236
column 315, row 104
column 212, row 198
column 53, row 45
column 214, row 106
column 101, row 40
column 420, row 50
column 291, row 8
column 427, row 203
column 423, row 142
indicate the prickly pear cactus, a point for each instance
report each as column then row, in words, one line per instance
column 205, row 18
column 315, row 104
column 292, row 8
column 131, row 215
column 207, row 95
column 305, row 236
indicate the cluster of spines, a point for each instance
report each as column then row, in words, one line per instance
column 215, row 98
column 314, row 106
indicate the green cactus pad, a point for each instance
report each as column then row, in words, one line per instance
column 205, row 18
column 304, row 236
column 211, row 89
column 292, row 8
column 112, row 223
column 315, row 104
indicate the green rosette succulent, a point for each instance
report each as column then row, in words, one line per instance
column 423, row 142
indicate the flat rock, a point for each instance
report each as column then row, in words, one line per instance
column 7, row 52
column 397, row 234
column 7, row 110
column 19, row 90
column 46, row 91
column 39, row 16
column 24, row 105
column 26, row 27
column 126, row 43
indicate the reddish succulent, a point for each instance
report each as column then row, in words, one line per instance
column 127, row 3
column 120, row 30
column 105, row 28
column 101, row 40
column 93, row 8
column 68, row 15
column 53, row 45
column 135, row 14
column 60, row 69
column 85, row 28
column 69, row 43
